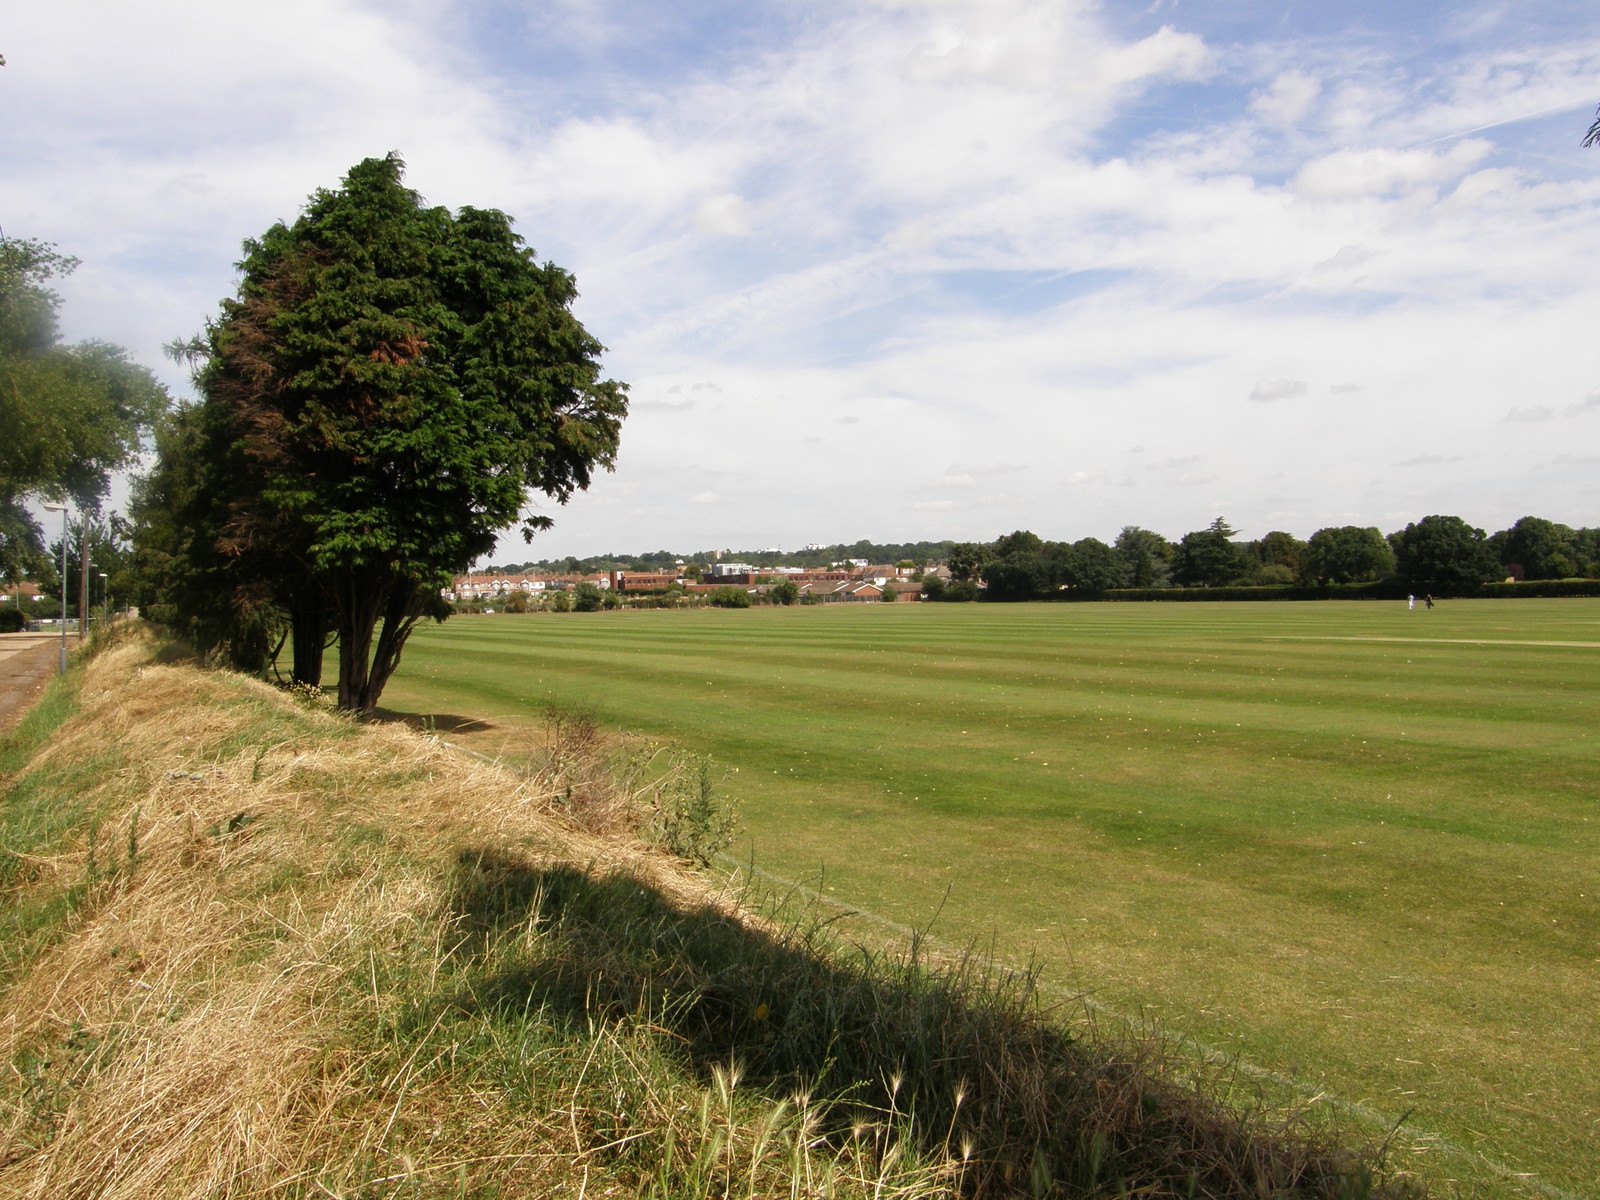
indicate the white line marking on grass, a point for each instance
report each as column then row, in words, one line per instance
column 1426, row 641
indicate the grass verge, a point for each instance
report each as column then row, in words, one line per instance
column 309, row 958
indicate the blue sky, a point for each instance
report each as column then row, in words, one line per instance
column 915, row 270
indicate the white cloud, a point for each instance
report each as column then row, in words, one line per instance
column 727, row 215
column 1288, row 99
column 1533, row 412
column 960, row 232
column 1353, row 174
column 1268, row 390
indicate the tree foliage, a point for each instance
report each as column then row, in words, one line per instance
column 1147, row 555
column 1443, row 554
column 1348, row 554
column 1209, row 558
column 1018, row 567
column 71, row 415
column 1276, row 558
column 379, row 398
column 967, row 560
column 1089, row 565
column 1540, row 549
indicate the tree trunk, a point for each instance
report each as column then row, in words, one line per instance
column 308, row 618
column 364, row 670
column 399, row 618
column 361, row 598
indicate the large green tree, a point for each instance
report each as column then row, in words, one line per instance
column 1210, row 558
column 1091, row 566
column 1020, row 567
column 1443, row 554
column 380, row 397
column 1348, row 554
column 1541, row 549
column 71, row 415
column 1276, row 557
column 1148, row 556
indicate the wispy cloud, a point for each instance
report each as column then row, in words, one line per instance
column 1267, row 390
column 779, row 205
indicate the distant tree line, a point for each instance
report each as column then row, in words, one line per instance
column 1439, row 554
column 909, row 553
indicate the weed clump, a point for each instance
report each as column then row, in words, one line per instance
column 665, row 795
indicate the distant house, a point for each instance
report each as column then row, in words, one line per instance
column 642, row 581
column 27, row 591
column 842, row 592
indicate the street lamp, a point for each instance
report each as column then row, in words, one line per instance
column 105, row 599
column 62, row 509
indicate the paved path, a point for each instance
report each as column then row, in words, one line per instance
column 27, row 661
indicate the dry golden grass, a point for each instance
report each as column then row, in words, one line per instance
column 304, row 957
column 191, row 1009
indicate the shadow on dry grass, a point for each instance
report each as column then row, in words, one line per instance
column 980, row 1073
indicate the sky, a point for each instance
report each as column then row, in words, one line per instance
column 913, row 270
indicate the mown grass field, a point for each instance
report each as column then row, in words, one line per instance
column 1353, row 844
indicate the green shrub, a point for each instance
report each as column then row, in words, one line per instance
column 728, row 597
column 689, row 818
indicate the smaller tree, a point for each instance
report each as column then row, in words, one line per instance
column 1092, row 566
column 1443, row 554
column 967, row 560
column 728, row 597
column 1279, row 557
column 586, row 597
column 1020, row 575
column 1147, row 555
column 1209, row 558
column 1348, row 554
column 785, row 592
column 1541, row 549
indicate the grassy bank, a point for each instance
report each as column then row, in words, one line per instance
column 1351, row 843
column 276, row 954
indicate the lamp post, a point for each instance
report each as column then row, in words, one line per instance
column 62, row 509
column 105, row 600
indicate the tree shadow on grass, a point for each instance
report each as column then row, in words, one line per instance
column 965, row 1052
column 441, row 723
